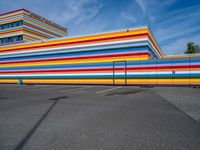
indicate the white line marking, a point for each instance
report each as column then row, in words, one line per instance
column 77, row 89
column 109, row 89
column 50, row 87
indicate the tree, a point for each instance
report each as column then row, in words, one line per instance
column 192, row 48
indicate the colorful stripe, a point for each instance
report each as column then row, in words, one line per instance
column 126, row 57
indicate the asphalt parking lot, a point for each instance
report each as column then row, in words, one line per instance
column 90, row 117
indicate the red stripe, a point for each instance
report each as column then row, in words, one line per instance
column 66, row 71
column 164, row 67
column 86, row 57
column 69, row 70
column 89, row 70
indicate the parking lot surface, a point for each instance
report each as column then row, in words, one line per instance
column 91, row 117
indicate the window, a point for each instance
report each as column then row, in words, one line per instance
column 11, row 39
column 11, row 25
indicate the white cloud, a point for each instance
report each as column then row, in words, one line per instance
column 176, row 31
column 142, row 4
column 174, row 28
column 179, row 15
column 129, row 17
column 179, row 46
column 77, row 11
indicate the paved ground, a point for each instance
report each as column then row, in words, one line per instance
column 64, row 117
column 186, row 99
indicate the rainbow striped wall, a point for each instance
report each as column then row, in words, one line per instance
column 130, row 57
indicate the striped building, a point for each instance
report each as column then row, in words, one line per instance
column 24, row 26
column 126, row 57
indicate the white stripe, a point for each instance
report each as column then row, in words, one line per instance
column 195, row 71
column 144, row 73
column 111, row 73
column 165, row 72
column 108, row 90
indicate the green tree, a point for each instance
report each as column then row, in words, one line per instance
column 192, row 48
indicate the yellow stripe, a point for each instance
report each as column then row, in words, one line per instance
column 119, row 81
column 105, row 81
column 195, row 81
column 181, row 81
column 165, row 81
column 69, row 81
column 8, row 81
column 141, row 81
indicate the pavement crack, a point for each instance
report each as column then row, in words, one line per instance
column 34, row 128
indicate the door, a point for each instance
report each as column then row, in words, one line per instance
column 119, row 73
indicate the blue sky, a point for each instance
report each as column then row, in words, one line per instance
column 173, row 22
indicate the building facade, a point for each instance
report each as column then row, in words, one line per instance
column 24, row 26
column 126, row 57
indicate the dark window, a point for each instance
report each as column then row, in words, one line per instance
column 11, row 25
column 11, row 39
